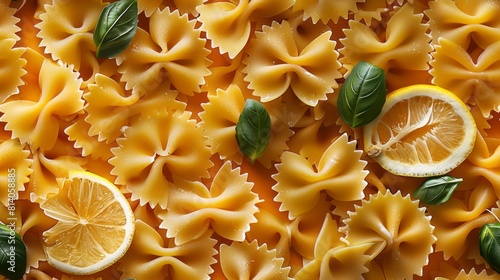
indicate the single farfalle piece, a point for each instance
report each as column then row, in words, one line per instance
column 462, row 21
column 11, row 67
column 401, row 232
column 473, row 78
column 228, row 23
column 154, row 149
column 173, row 50
column 340, row 173
column 243, row 260
column 34, row 116
column 66, row 30
column 110, row 107
column 275, row 63
column 403, row 44
column 325, row 10
column 152, row 257
column 228, row 207
column 219, row 119
column 15, row 169
column 8, row 21
column 333, row 259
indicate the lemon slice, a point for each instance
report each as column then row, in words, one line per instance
column 95, row 224
column 422, row 131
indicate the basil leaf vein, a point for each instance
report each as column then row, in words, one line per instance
column 437, row 190
column 489, row 244
column 12, row 254
column 116, row 27
column 253, row 129
column 362, row 95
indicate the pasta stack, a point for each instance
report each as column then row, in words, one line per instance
column 159, row 121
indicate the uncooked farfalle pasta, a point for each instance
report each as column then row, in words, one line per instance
column 159, row 119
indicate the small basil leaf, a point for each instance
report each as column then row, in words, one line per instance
column 116, row 27
column 362, row 95
column 12, row 254
column 437, row 190
column 253, row 129
column 489, row 244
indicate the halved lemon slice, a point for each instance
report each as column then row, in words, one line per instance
column 422, row 131
column 95, row 224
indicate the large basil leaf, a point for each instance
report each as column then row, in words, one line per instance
column 253, row 129
column 362, row 95
column 116, row 27
column 437, row 190
column 489, row 244
column 12, row 254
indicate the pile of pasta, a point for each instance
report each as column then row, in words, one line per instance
column 159, row 121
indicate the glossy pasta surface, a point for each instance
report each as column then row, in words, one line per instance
column 159, row 121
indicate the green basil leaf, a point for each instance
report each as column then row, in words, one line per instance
column 116, row 27
column 253, row 129
column 12, row 254
column 489, row 244
column 362, row 95
column 437, row 190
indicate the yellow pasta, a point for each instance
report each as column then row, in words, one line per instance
column 159, row 121
column 151, row 256
column 326, row 10
column 339, row 172
column 250, row 261
column 66, row 30
column 228, row 207
column 12, row 149
column 11, row 64
column 276, row 62
column 401, row 234
column 401, row 46
column 146, row 166
column 464, row 22
column 471, row 76
column 333, row 259
column 228, row 24
column 173, row 48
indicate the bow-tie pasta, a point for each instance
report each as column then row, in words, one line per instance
column 403, row 45
column 11, row 67
column 463, row 22
column 276, row 62
column 228, row 207
column 66, row 30
column 159, row 121
column 152, row 256
column 339, row 173
column 153, row 149
column 400, row 230
column 228, row 25
column 332, row 258
column 42, row 103
column 172, row 50
column 8, row 27
column 472, row 76
column 13, row 154
column 325, row 10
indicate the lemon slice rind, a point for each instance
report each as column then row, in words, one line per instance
column 379, row 151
